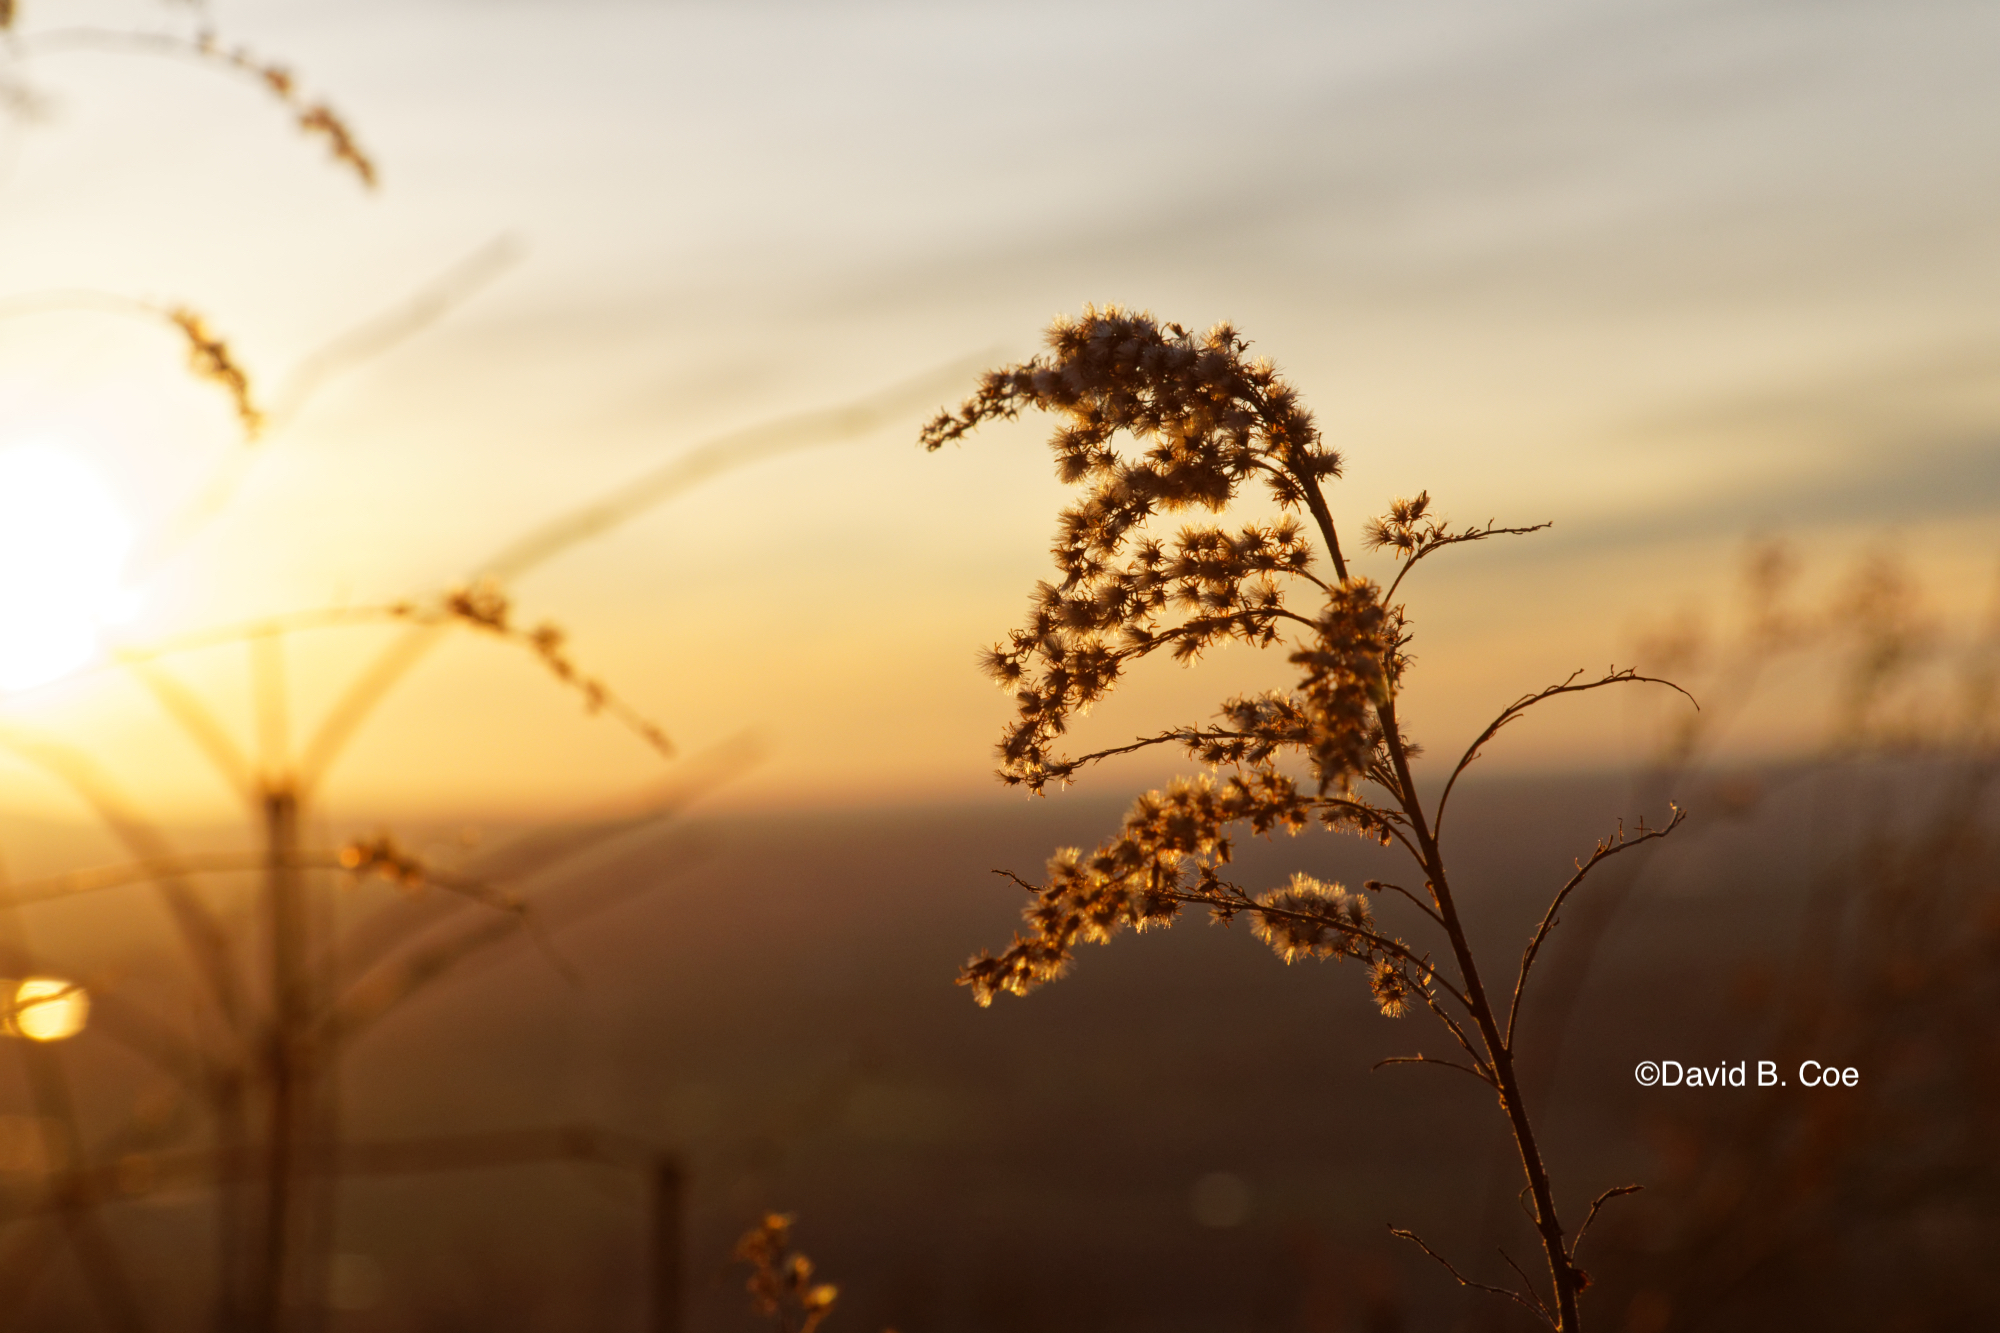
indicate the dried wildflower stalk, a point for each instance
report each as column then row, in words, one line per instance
column 485, row 606
column 270, row 1067
column 1210, row 421
column 208, row 355
column 781, row 1285
column 312, row 117
column 209, row 358
column 265, row 1049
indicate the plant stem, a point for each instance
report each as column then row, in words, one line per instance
column 1323, row 516
column 1563, row 1275
column 289, row 1076
column 1500, row 1056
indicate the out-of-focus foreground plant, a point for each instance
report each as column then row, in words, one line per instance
column 1877, row 1206
column 282, row 992
column 781, row 1284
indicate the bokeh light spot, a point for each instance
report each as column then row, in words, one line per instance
column 1220, row 1199
column 47, row 1009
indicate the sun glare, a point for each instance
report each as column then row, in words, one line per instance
column 63, row 544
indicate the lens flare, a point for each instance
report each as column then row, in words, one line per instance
column 63, row 544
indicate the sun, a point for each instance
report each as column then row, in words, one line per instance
column 63, row 544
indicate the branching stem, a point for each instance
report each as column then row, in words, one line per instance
column 1605, row 851
column 1565, row 1280
column 1431, row 1060
column 1532, row 1305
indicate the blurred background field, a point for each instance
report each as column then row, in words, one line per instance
column 1183, row 1135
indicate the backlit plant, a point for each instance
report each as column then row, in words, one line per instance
column 1208, row 421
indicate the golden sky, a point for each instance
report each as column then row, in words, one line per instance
column 1668, row 275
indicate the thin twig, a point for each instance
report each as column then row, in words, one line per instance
column 1389, row 945
column 209, row 354
column 1605, row 851
column 153, row 869
column 1444, row 539
column 1458, row 1033
column 523, row 859
column 1421, row 905
column 1532, row 1307
column 1431, row 1060
column 312, row 117
column 1185, row 735
column 1626, row 676
column 372, row 996
column 356, row 345
column 1528, row 1283
column 1602, row 1199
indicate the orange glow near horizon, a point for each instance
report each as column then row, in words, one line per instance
column 1670, row 281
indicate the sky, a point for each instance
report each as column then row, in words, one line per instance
column 1671, row 276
